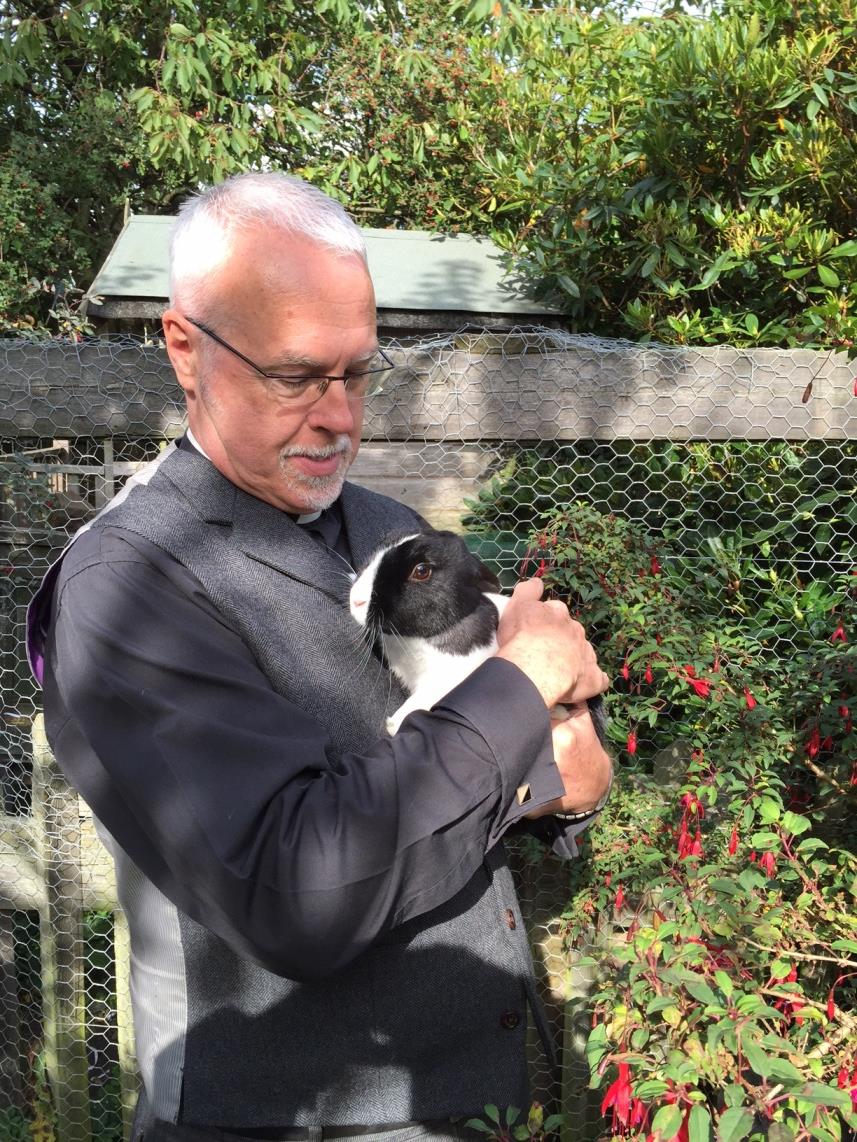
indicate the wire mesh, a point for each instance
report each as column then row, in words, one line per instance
column 483, row 432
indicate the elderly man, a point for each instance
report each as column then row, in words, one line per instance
column 325, row 939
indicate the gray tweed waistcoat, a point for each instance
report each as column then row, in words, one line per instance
column 431, row 1021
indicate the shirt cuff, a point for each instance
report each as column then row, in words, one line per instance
column 507, row 710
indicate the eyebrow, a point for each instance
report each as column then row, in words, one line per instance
column 299, row 361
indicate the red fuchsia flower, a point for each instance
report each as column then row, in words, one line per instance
column 849, row 1084
column 639, row 1113
column 618, row 1097
column 814, row 743
column 839, row 634
column 733, row 841
column 693, row 805
column 752, row 856
column 626, row 670
column 843, row 712
column 686, row 846
column 749, row 699
column 540, row 570
column 631, row 744
column 656, row 567
column 648, row 675
column 701, row 686
column 827, row 743
column 620, row 898
column 768, row 863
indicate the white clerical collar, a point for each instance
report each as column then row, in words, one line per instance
column 193, row 440
column 310, row 517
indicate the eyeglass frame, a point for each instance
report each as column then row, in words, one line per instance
column 322, row 381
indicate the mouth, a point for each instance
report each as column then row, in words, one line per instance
column 317, row 466
column 318, row 463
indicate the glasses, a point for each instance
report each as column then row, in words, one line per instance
column 307, row 390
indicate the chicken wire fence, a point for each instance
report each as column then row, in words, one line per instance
column 485, row 433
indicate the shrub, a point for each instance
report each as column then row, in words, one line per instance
column 718, row 904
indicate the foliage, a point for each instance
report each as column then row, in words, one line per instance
column 513, row 1125
column 699, row 492
column 692, row 177
column 685, row 178
column 718, row 904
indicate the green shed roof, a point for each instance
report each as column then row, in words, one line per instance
column 411, row 269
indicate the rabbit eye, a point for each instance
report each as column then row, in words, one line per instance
column 420, row 573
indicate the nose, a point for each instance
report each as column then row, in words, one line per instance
column 334, row 411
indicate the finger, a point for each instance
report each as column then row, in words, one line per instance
column 528, row 589
column 589, row 685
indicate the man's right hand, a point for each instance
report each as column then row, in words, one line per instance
column 551, row 648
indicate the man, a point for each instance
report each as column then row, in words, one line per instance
column 325, row 939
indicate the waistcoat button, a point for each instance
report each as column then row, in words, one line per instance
column 510, row 919
column 510, row 1020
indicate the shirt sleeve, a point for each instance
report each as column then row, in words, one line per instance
column 233, row 801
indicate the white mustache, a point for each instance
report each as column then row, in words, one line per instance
column 342, row 444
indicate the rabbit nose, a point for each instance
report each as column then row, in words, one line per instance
column 359, row 602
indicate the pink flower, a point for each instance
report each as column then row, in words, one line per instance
column 632, row 742
column 648, row 675
column 620, row 898
column 768, row 863
column 733, row 841
column 749, row 699
column 626, row 672
column 839, row 634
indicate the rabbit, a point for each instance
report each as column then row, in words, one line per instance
column 435, row 609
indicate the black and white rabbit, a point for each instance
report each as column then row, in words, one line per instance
column 435, row 609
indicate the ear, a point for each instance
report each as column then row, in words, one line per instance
column 182, row 339
column 486, row 579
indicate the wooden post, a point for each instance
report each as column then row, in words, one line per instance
column 10, row 1045
column 63, row 954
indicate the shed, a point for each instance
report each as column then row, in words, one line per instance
column 424, row 282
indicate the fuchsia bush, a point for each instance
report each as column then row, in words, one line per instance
column 717, row 902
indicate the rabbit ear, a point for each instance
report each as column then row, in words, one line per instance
column 487, row 580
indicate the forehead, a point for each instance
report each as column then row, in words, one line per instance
column 290, row 273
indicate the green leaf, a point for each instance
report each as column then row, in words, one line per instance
column 823, row 1095
column 650, row 1088
column 699, row 1124
column 478, row 1124
column 827, row 276
column 757, row 1058
column 734, row 1124
column 701, row 991
column 569, row 285
column 724, row 982
column 795, row 823
column 845, row 250
column 769, row 810
column 667, row 1122
column 785, row 1071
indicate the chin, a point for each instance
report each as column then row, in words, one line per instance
column 314, row 495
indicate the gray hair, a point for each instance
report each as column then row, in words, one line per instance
column 206, row 225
